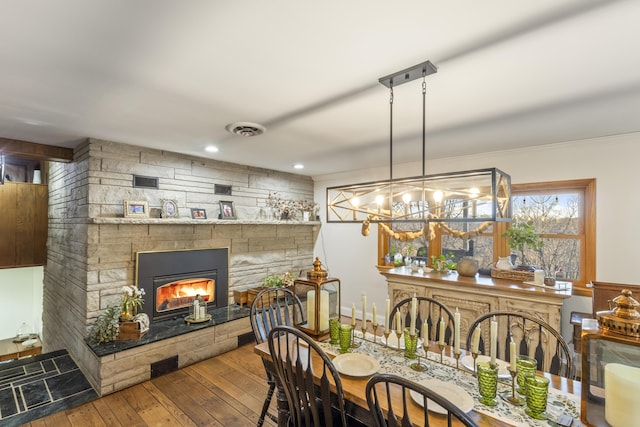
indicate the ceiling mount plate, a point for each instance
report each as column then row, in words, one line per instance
column 408, row 74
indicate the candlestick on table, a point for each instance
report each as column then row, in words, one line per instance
column 456, row 332
column 512, row 354
column 494, row 340
column 387, row 308
column 374, row 315
column 441, row 332
column 475, row 346
column 512, row 397
column 425, row 334
column 414, row 309
column 353, row 316
column 364, row 310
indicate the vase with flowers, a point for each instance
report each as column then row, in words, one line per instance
column 131, row 301
column 285, row 208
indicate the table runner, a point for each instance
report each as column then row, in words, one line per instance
column 392, row 361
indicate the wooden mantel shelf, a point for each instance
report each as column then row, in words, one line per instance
column 189, row 221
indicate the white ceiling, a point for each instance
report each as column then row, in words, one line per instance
column 170, row 74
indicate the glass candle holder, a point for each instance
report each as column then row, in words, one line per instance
column 488, row 383
column 526, row 367
column 410, row 344
column 537, row 390
column 334, row 330
column 345, row 338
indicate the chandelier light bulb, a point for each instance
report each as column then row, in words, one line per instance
column 406, row 197
column 474, row 192
column 379, row 200
column 437, row 196
column 355, row 202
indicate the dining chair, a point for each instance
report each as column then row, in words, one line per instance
column 387, row 393
column 273, row 307
column 430, row 310
column 533, row 336
column 298, row 359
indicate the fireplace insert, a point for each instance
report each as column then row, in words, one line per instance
column 173, row 279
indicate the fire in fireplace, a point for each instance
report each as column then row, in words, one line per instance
column 172, row 280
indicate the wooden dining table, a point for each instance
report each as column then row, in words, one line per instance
column 566, row 391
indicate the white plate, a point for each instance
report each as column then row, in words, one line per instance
column 356, row 364
column 451, row 392
column 393, row 340
column 503, row 367
column 30, row 342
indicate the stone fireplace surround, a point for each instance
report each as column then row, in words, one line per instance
column 92, row 248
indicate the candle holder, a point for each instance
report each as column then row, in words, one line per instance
column 399, row 334
column 364, row 329
column 512, row 397
column 375, row 332
column 354, row 344
column 474, row 355
column 441, row 347
column 386, row 334
column 419, row 365
column 456, row 354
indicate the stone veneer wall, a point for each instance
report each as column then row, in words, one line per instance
column 91, row 254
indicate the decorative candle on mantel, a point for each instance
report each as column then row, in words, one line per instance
column 512, row 355
column 323, row 314
column 475, row 340
column 414, row 309
column 456, row 331
column 387, row 309
column 441, row 331
column 494, row 340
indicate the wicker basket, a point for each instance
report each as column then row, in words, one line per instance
column 520, row 276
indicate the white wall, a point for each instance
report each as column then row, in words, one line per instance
column 21, row 301
column 613, row 161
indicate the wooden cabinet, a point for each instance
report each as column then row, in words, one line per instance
column 474, row 296
column 23, row 224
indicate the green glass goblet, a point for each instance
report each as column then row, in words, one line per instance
column 537, row 390
column 526, row 367
column 488, row 383
column 334, row 330
column 410, row 344
column 345, row 338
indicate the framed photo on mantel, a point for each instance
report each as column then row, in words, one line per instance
column 198, row 213
column 136, row 209
column 227, row 210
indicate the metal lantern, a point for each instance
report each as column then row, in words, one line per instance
column 611, row 366
column 320, row 296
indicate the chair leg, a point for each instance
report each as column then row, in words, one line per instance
column 265, row 406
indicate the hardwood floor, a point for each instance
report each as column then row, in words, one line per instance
column 227, row 390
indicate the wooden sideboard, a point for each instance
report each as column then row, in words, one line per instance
column 474, row 296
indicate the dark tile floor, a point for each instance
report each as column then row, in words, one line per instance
column 36, row 386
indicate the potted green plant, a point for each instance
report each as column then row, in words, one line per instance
column 522, row 235
column 443, row 263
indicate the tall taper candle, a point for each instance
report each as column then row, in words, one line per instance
column 387, row 309
column 494, row 340
column 414, row 309
column 475, row 339
column 374, row 314
column 456, row 331
column 364, row 309
column 441, row 332
column 425, row 334
column 398, row 323
column 353, row 315
column 512, row 355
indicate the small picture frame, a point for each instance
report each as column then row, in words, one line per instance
column 136, row 209
column 169, row 208
column 227, row 210
column 198, row 213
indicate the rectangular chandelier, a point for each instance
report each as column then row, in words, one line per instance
column 468, row 196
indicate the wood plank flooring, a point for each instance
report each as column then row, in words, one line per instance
column 227, row 390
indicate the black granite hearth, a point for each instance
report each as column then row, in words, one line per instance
column 172, row 327
column 37, row 386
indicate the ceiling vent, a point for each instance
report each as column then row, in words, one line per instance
column 245, row 129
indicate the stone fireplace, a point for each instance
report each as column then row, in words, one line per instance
column 173, row 279
column 92, row 250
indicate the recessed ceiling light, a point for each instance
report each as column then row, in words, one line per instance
column 298, row 166
column 211, row 149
